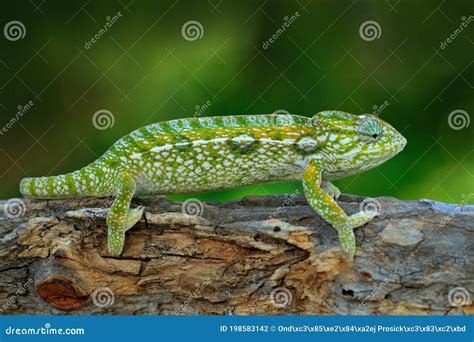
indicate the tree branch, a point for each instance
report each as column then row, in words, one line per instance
column 260, row 255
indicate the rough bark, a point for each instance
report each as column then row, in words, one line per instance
column 261, row 255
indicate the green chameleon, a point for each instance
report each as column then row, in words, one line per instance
column 210, row 154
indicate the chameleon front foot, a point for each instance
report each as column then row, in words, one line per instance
column 331, row 189
column 321, row 196
column 346, row 232
column 361, row 218
column 348, row 242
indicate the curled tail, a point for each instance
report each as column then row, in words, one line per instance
column 83, row 182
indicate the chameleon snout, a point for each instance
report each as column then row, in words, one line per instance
column 402, row 142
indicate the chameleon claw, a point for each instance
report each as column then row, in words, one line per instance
column 134, row 215
column 361, row 218
column 331, row 189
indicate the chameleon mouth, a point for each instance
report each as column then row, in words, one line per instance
column 401, row 143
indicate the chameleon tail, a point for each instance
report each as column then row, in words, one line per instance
column 83, row 182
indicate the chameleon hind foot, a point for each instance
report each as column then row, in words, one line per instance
column 120, row 218
column 117, row 229
column 117, row 226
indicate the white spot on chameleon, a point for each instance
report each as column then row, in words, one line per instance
column 162, row 148
column 288, row 141
column 243, row 138
column 307, row 143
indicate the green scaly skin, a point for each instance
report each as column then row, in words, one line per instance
column 211, row 154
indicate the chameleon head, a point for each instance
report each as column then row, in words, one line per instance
column 353, row 144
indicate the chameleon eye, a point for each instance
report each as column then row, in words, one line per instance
column 369, row 130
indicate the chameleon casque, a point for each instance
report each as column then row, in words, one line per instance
column 215, row 153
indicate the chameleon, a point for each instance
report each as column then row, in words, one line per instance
column 203, row 154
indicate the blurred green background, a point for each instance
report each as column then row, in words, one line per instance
column 144, row 69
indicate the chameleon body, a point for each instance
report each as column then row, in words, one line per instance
column 215, row 153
